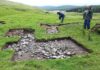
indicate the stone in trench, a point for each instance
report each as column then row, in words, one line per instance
column 29, row 48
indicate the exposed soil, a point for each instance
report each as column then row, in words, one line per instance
column 57, row 24
column 96, row 28
column 54, row 28
column 2, row 22
column 50, row 29
column 19, row 32
column 30, row 48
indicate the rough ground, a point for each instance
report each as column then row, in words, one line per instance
column 2, row 22
column 54, row 28
column 19, row 32
column 96, row 28
column 28, row 47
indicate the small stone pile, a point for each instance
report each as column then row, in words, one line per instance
column 50, row 29
column 28, row 48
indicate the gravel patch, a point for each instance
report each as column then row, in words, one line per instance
column 30, row 48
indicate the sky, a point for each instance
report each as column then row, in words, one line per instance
column 58, row 2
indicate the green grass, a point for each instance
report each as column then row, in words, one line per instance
column 32, row 19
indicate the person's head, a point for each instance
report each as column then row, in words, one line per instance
column 58, row 13
column 88, row 7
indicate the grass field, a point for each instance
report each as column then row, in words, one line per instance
column 32, row 19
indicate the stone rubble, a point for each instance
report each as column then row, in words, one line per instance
column 28, row 48
column 54, row 28
column 51, row 30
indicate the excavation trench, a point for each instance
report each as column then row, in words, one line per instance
column 2, row 22
column 54, row 28
column 28, row 47
column 96, row 28
column 19, row 32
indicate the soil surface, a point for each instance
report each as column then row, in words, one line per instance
column 30, row 48
column 96, row 28
column 2, row 22
column 19, row 32
column 54, row 28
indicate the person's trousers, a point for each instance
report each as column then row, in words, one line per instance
column 62, row 19
column 87, row 24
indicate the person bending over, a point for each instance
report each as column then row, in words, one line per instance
column 61, row 16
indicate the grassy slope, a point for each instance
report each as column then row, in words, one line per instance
column 10, row 8
column 32, row 19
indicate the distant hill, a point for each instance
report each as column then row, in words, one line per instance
column 10, row 8
column 64, row 7
column 95, row 8
column 71, row 8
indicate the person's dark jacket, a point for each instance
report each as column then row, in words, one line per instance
column 87, row 15
column 61, row 15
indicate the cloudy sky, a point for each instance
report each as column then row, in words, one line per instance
column 58, row 2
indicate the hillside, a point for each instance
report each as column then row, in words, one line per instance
column 10, row 8
column 35, row 23
column 71, row 8
column 95, row 8
column 64, row 7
